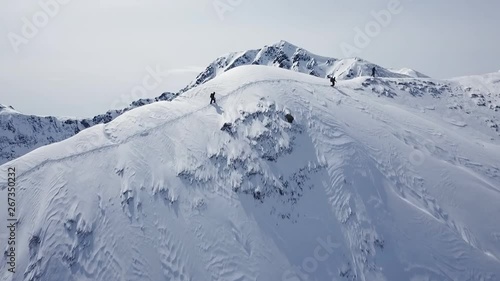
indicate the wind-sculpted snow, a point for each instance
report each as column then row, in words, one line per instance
column 360, row 185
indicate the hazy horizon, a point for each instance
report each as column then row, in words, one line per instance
column 85, row 56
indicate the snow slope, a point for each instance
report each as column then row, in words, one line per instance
column 373, row 180
column 288, row 56
column 21, row 133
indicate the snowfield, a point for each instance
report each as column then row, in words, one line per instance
column 376, row 179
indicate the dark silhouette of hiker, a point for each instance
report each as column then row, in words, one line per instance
column 212, row 98
column 332, row 80
column 374, row 70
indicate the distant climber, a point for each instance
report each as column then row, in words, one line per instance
column 374, row 71
column 332, row 80
column 212, row 98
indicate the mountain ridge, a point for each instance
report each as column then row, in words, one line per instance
column 21, row 133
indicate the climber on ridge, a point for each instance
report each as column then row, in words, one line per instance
column 332, row 80
column 212, row 98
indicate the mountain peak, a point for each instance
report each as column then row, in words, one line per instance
column 285, row 44
column 286, row 55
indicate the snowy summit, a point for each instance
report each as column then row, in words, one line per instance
column 289, row 56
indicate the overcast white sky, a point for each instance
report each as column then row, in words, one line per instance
column 92, row 53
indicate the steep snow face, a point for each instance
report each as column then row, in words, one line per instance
column 20, row 134
column 358, row 186
column 288, row 56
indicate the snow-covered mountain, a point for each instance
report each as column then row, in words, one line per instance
column 288, row 56
column 20, row 133
column 286, row 178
